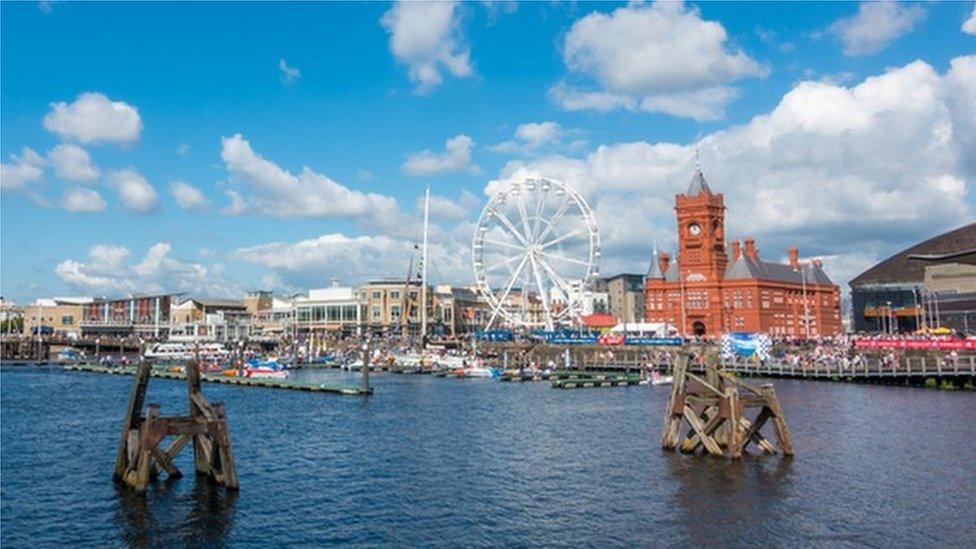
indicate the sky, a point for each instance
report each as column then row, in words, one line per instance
column 217, row 148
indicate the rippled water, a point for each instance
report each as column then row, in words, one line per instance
column 432, row 461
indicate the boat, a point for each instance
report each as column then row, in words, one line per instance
column 657, row 378
column 168, row 352
column 482, row 372
column 265, row 372
column 70, row 355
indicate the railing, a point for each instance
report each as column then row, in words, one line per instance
column 870, row 367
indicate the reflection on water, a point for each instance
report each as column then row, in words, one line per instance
column 201, row 517
column 434, row 462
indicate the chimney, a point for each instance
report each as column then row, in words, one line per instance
column 794, row 257
column 665, row 259
column 750, row 250
column 736, row 250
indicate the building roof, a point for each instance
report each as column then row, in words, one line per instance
column 599, row 320
column 655, row 271
column 903, row 268
column 212, row 303
column 698, row 185
column 632, row 276
column 746, row 268
column 672, row 274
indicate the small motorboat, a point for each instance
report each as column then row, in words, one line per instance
column 657, row 378
column 70, row 355
column 264, row 372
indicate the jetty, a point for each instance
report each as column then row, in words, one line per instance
column 226, row 380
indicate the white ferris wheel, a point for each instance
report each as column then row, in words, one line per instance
column 535, row 252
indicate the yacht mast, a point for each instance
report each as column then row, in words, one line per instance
column 423, row 273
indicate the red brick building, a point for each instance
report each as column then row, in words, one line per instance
column 706, row 291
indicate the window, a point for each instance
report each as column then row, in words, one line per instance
column 394, row 294
column 67, row 320
column 377, row 294
column 333, row 313
column 377, row 312
column 394, row 313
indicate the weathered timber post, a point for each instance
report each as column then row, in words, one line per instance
column 366, row 366
column 139, row 456
column 713, row 408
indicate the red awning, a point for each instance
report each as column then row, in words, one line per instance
column 599, row 320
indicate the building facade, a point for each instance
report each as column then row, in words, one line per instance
column 58, row 316
column 626, row 293
column 329, row 310
column 394, row 305
column 705, row 291
column 145, row 315
column 931, row 284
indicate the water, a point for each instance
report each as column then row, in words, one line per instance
column 432, row 461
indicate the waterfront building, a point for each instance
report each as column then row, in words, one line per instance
column 705, row 292
column 930, row 284
column 144, row 315
column 211, row 319
column 275, row 321
column 458, row 310
column 332, row 310
column 393, row 305
column 55, row 316
column 258, row 300
column 626, row 297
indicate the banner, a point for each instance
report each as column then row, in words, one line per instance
column 941, row 344
column 634, row 340
column 746, row 345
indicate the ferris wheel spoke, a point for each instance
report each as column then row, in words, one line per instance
column 566, row 259
column 497, row 308
column 511, row 228
column 540, row 207
column 504, row 244
column 503, row 263
column 542, row 293
column 560, row 211
column 567, row 236
column 524, row 214
column 563, row 286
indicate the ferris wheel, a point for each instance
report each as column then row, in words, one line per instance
column 535, row 252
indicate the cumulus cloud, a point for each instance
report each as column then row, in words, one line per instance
column 81, row 199
column 187, row 196
column 455, row 158
column 135, row 192
column 288, row 74
column 356, row 258
column 108, row 270
column 875, row 25
column 847, row 172
column 969, row 27
column 448, row 209
column 21, row 170
column 182, row 149
column 657, row 58
column 535, row 138
column 277, row 192
column 94, row 118
column 72, row 163
column 425, row 37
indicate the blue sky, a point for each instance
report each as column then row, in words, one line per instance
column 616, row 96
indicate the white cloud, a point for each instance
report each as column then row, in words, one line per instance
column 135, row 192
column 444, row 208
column 187, row 196
column 237, row 205
column 311, row 262
column 969, row 27
column 534, row 138
column 94, row 118
column 72, row 163
column 288, row 74
column 657, row 58
column 455, row 158
column 81, row 199
column 851, row 172
column 277, row 192
column 107, row 270
column 425, row 37
column 182, row 149
column 22, row 170
column 875, row 25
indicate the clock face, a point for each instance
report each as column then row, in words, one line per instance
column 694, row 229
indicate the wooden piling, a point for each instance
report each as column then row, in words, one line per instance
column 713, row 412
column 140, row 458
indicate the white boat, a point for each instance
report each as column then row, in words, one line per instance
column 482, row 372
column 657, row 378
column 264, row 372
column 70, row 355
column 168, row 352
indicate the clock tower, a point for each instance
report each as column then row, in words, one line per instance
column 701, row 232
